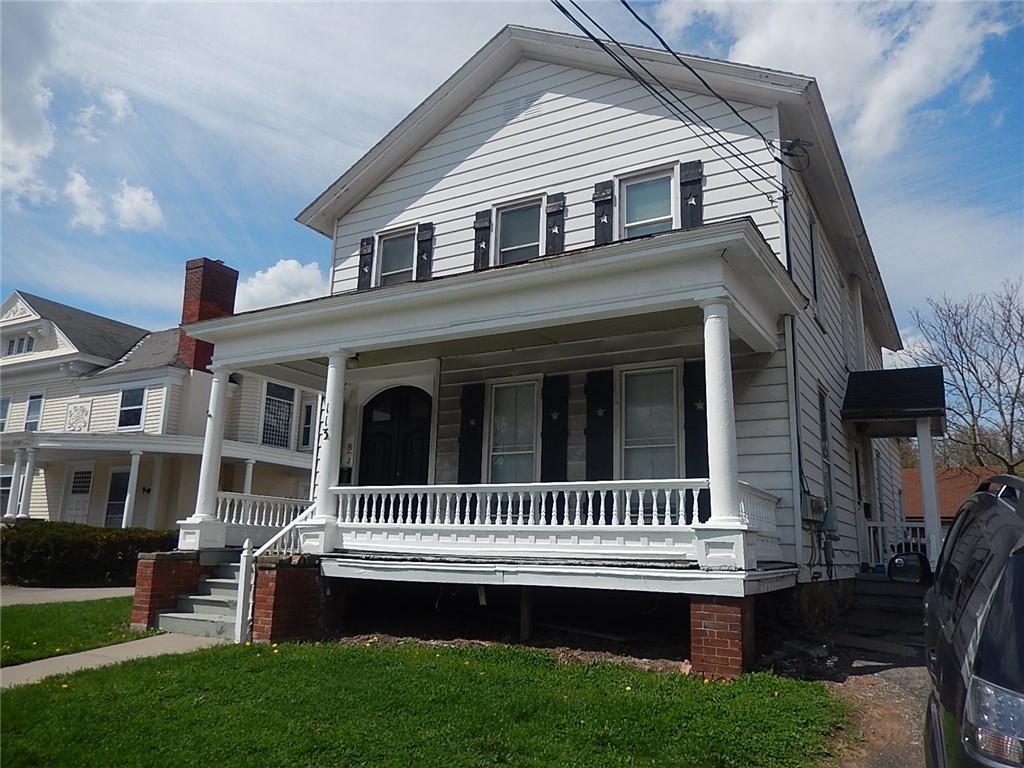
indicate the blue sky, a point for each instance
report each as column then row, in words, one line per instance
column 137, row 136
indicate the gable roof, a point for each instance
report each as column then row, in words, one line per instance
column 91, row 334
column 153, row 351
column 801, row 115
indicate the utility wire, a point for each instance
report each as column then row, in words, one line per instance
column 715, row 93
column 671, row 99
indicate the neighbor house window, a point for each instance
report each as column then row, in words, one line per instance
column 646, row 205
column 19, row 346
column 649, row 425
column 519, row 233
column 307, row 428
column 130, row 414
column 397, row 258
column 513, row 432
column 5, row 488
column 277, row 415
column 5, row 409
column 33, row 413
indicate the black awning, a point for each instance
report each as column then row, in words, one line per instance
column 888, row 403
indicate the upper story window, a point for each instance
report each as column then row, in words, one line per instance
column 278, row 404
column 33, row 413
column 130, row 412
column 519, row 233
column 21, row 345
column 5, row 409
column 397, row 258
column 647, row 205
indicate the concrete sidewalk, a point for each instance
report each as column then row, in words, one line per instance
column 10, row 595
column 156, row 645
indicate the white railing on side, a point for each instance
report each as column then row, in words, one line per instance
column 888, row 539
column 257, row 511
column 757, row 508
column 284, row 541
column 610, row 503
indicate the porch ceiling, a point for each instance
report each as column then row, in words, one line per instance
column 614, row 290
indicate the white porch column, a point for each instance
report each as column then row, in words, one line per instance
column 15, row 495
column 331, row 438
column 247, row 482
column 26, row 490
column 929, row 490
column 133, row 486
column 154, row 491
column 202, row 530
column 722, row 462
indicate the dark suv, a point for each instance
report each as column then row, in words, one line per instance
column 974, row 631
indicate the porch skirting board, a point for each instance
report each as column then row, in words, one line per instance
column 679, row 577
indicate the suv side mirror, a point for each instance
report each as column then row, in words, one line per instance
column 910, row 568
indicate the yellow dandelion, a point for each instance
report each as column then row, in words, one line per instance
column 629, row 687
column 706, row 681
column 275, row 650
column 65, row 685
column 247, row 643
column 273, row 645
column 56, row 650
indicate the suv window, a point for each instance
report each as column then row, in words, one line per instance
column 1000, row 656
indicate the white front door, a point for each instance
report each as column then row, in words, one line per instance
column 77, row 494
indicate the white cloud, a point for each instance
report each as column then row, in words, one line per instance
column 285, row 282
column 84, row 119
column 88, row 212
column 137, row 208
column 893, row 59
column 978, row 89
column 118, row 103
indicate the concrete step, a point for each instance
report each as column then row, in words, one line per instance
column 218, row 587
column 228, row 571
column 197, row 624
column 211, row 604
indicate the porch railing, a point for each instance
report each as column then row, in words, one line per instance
column 888, row 539
column 256, row 517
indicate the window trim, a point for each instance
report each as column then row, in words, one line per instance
column 141, row 408
column 618, row 400
column 537, row 380
column 541, row 202
column 647, row 174
column 292, row 437
column 378, row 260
column 41, row 396
column 5, row 412
column 19, row 345
column 307, row 400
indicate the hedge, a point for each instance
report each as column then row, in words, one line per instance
column 45, row 554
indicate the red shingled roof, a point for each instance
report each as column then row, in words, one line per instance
column 954, row 485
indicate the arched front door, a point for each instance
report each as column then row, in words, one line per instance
column 395, row 448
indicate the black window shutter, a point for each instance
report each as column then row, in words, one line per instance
column 600, row 425
column 691, row 197
column 555, row 224
column 603, row 201
column 471, row 434
column 365, row 263
column 554, row 436
column 424, row 251
column 695, row 430
column 482, row 240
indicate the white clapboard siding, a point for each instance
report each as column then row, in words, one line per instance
column 153, row 416
column 584, row 128
column 172, row 407
column 250, row 409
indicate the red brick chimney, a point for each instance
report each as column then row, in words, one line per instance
column 209, row 293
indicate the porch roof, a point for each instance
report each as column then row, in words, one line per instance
column 620, row 288
column 888, row 403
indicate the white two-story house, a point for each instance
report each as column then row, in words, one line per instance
column 102, row 422
column 581, row 337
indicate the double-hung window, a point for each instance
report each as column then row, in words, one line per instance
column 650, row 425
column 519, row 232
column 33, row 413
column 20, row 346
column 307, row 428
column 5, row 409
column 647, row 204
column 278, row 403
column 132, row 403
column 513, row 445
column 397, row 257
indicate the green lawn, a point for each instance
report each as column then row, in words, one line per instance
column 409, row 705
column 31, row 632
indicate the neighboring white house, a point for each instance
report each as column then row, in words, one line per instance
column 577, row 340
column 103, row 423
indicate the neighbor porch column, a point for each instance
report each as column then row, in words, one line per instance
column 247, row 482
column 929, row 490
column 15, row 495
column 331, row 437
column 133, row 485
column 202, row 530
column 722, row 456
column 26, row 490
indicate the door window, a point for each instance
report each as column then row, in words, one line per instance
column 649, row 425
column 513, row 432
column 116, row 499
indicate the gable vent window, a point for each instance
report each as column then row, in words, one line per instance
column 519, row 233
column 647, row 206
column 397, row 254
column 524, row 106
